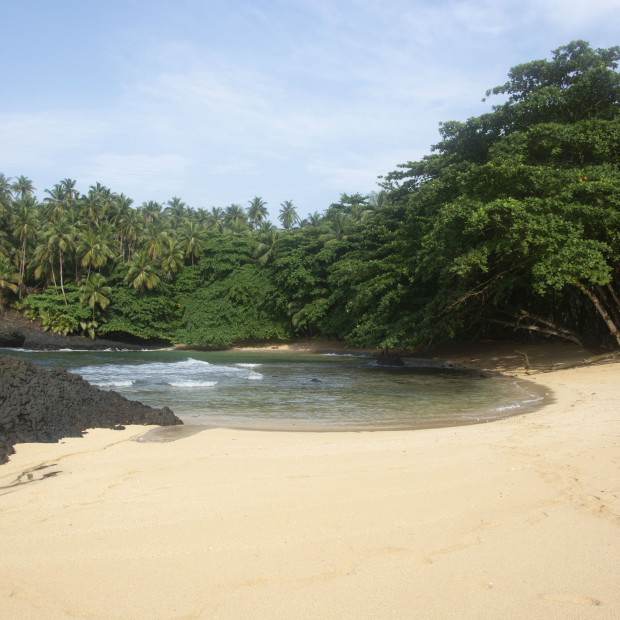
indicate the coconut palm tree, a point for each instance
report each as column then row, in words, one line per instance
column 24, row 224
column 337, row 229
column 60, row 235
column 68, row 189
column 266, row 249
column 8, row 279
column 5, row 195
column 55, row 205
column 130, row 228
column 175, row 211
column 95, row 293
column 257, row 211
column 153, row 236
column 94, row 247
column 216, row 219
column 315, row 219
column 288, row 214
column 92, row 207
column 143, row 272
column 171, row 257
column 23, row 187
column 151, row 210
column 191, row 241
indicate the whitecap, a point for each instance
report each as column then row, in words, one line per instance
column 112, row 384
column 244, row 365
column 192, row 384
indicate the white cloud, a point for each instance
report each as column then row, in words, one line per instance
column 128, row 173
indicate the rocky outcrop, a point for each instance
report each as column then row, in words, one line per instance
column 46, row 405
column 21, row 333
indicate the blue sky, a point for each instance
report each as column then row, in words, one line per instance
column 219, row 101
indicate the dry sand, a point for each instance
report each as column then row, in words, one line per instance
column 513, row 519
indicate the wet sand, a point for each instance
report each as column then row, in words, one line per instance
column 518, row 518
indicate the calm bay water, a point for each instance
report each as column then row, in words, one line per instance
column 280, row 390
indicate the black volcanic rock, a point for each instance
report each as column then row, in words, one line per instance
column 46, row 405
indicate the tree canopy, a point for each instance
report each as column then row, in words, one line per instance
column 510, row 227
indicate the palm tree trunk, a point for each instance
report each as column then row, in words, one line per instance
column 62, row 288
column 22, row 268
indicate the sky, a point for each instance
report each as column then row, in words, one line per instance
column 219, row 101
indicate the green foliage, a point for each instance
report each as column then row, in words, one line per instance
column 148, row 315
column 513, row 223
column 49, row 308
column 244, row 305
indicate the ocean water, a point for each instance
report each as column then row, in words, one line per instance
column 280, row 390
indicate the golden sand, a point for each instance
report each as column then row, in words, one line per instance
column 513, row 519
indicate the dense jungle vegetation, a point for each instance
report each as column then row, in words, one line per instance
column 511, row 225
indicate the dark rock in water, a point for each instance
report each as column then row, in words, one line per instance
column 46, row 405
column 386, row 358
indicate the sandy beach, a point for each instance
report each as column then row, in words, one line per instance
column 518, row 518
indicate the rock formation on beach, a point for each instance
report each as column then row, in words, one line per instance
column 46, row 405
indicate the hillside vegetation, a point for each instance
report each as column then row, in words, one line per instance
column 511, row 225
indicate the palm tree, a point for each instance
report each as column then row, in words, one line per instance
column 378, row 199
column 288, row 214
column 5, row 195
column 154, row 236
column 121, row 205
column 25, row 224
column 60, row 235
column 265, row 250
column 235, row 219
column 8, row 280
column 92, row 208
column 175, row 210
column 95, row 293
column 68, row 189
column 315, row 219
column 142, row 272
column 234, row 213
column 23, row 187
column 171, row 257
column 55, row 204
column 151, row 210
column 43, row 258
column 93, row 248
column 104, row 197
column 338, row 228
column 216, row 219
column 257, row 211
column 129, row 229
column 191, row 241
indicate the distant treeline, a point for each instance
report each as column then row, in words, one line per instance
column 512, row 225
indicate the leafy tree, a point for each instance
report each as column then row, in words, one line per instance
column 243, row 306
column 516, row 218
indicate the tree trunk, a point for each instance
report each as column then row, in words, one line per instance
column 613, row 328
column 62, row 288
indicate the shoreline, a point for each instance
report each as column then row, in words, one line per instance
column 515, row 518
